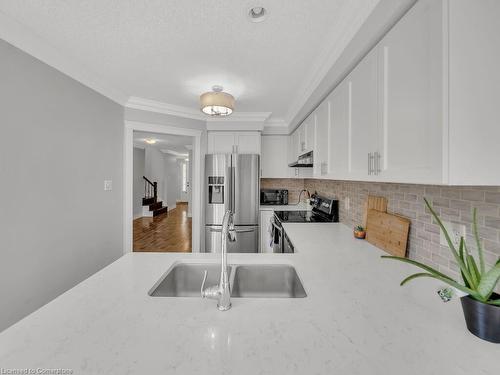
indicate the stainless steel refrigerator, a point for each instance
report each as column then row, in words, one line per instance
column 232, row 183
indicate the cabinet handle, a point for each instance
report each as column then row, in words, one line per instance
column 377, row 163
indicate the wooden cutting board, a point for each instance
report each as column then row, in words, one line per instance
column 374, row 203
column 388, row 232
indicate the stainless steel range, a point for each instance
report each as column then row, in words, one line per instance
column 324, row 210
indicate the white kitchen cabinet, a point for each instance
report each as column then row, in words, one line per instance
column 220, row 142
column 363, row 138
column 234, row 142
column 474, row 81
column 301, row 133
column 323, row 117
column 410, row 97
column 293, row 146
column 422, row 106
column 310, row 132
column 338, row 150
column 274, row 158
column 266, row 217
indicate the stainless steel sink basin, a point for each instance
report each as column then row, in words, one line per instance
column 247, row 281
column 267, row 281
column 184, row 280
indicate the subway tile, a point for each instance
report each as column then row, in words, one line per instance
column 472, row 195
column 492, row 197
column 452, row 203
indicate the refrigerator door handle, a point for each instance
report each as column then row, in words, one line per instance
column 233, row 187
column 245, row 230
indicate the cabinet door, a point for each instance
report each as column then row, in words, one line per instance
column 220, row 142
column 338, row 147
column 363, row 135
column 248, row 142
column 310, row 131
column 293, row 146
column 410, row 66
column 301, row 132
column 323, row 116
column 274, row 163
column 474, row 92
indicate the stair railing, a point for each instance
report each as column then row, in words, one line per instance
column 150, row 188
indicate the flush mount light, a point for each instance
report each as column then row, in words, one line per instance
column 257, row 14
column 150, row 141
column 217, row 102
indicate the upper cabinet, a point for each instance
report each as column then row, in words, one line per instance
column 410, row 94
column 474, row 102
column 323, row 118
column 338, row 134
column 274, row 160
column 234, row 142
column 363, row 135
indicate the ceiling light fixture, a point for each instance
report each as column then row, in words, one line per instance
column 150, row 141
column 217, row 102
column 257, row 14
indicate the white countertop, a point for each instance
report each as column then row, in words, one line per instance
column 355, row 320
column 302, row 206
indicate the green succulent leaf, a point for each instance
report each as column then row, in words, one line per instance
column 488, row 282
column 447, row 281
column 461, row 254
column 418, row 264
column 458, row 259
column 478, row 241
column 494, row 302
column 475, row 274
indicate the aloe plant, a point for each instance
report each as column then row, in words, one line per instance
column 478, row 282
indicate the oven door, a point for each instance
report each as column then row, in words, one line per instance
column 287, row 244
column 277, row 236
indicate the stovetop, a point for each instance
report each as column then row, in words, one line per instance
column 300, row 217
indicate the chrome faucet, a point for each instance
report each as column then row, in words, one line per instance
column 222, row 291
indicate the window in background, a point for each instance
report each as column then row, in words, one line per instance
column 184, row 177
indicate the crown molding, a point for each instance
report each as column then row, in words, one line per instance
column 242, row 117
column 353, row 21
column 275, row 127
column 26, row 40
column 150, row 105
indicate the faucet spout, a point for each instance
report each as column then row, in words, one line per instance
column 222, row 291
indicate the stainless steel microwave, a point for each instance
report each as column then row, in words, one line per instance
column 274, row 197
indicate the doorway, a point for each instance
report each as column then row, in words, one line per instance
column 162, row 191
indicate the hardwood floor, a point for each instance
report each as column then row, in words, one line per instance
column 169, row 232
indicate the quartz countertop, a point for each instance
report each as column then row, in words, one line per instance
column 356, row 319
column 302, row 206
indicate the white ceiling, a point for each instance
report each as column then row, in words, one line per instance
column 175, row 143
column 171, row 51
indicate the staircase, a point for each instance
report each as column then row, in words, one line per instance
column 151, row 206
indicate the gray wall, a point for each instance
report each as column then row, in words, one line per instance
column 138, row 183
column 59, row 141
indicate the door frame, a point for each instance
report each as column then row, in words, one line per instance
column 130, row 126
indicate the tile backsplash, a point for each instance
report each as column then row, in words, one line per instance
column 452, row 203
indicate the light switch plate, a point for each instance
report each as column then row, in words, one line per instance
column 108, row 185
column 455, row 230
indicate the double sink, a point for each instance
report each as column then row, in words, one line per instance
column 246, row 280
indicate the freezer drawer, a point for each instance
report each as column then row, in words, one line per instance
column 247, row 240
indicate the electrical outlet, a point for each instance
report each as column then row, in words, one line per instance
column 455, row 230
column 108, row 185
